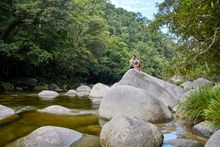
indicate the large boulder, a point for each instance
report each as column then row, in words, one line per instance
column 49, row 136
column 83, row 91
column 48, row 94
column 114, row 85
column 128, row 131
column 5, row 112
column 167, row 92
column 214, row 140
column 201, row 82
column 133, row 101
column 204, row 129
column 99, row 90
column 183, row 143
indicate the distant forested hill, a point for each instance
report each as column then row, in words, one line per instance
column 76, row 41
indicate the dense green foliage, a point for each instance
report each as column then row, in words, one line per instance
column 197, row 27
column 76, row 41
column 212, row 113
column 202, row 104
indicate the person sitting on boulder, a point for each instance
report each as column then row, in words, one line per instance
column 137, row 65
column 132, row 61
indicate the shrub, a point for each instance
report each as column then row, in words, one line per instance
column 195, row 104
column 212, row 113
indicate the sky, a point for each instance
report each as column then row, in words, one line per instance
column 145, row 7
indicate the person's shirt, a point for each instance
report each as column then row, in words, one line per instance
column 137, row 65
column 132, row 61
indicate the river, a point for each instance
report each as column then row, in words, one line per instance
column 26, row 105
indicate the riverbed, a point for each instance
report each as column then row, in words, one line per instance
column 28, row 118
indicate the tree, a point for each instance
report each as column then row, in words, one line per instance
column 197, row 26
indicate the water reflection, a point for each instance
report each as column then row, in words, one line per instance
column 178, row 129
column 19, row 100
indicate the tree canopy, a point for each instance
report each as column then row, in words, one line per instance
column 196, row 24
column 76, row 41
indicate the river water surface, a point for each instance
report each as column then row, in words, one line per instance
column 28, row 120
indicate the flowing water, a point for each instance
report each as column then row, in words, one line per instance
column 28, row 121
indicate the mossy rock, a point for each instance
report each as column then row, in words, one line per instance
column 40, row 88
column 7, row 86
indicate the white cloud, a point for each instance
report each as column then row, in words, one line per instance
column 146, row 7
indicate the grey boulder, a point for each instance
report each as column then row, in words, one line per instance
column 71, row 93
column 201, row 82
column 83, row 91
column 128, row 131
column 56, row 109
column 183, row 143
column 99, row 90
column 204, row 129
column 49, row 136
column 48, row 94
column 167, row 92
column 60, row 110
column 214, row 140
column 133, row 101
column 5, row 112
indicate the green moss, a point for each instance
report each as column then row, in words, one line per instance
column 92, row 129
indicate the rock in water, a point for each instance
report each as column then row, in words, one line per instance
column 183, row 143
column 99, row 90
column 214, row 140
column 165, row 91
column 83, row 88
column 204, row 129
column 5, row 112
column 128, row 131
column 48, row 94
column 56, row 109
column 71, row 93
column 83, row 91
column 133, row 101
column 49, row 136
